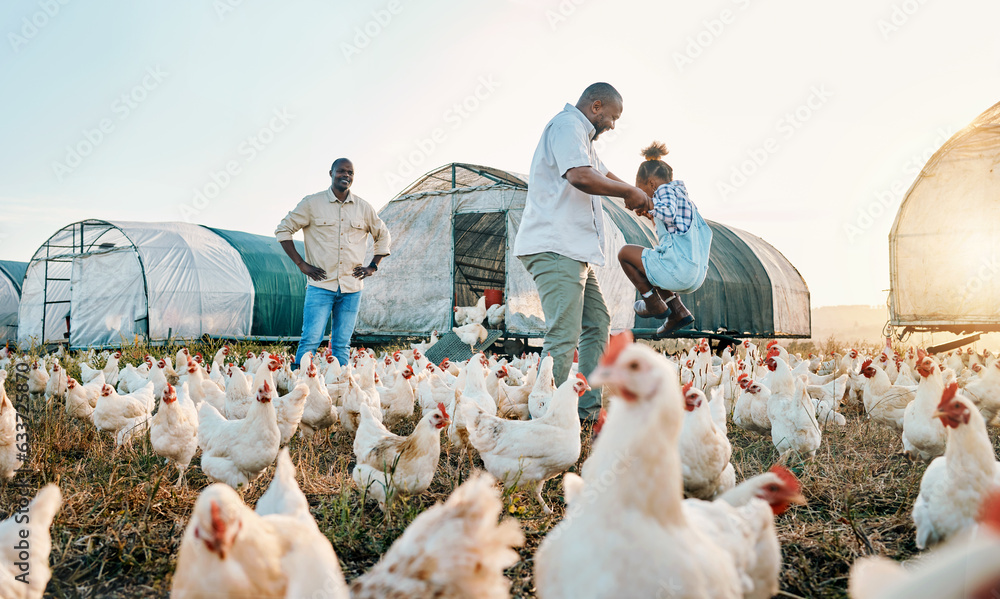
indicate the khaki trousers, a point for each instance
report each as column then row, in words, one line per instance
column 575, row 315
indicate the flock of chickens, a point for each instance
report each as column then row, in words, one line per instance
column 656, row 510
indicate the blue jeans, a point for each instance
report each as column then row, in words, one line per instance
column 319, row 304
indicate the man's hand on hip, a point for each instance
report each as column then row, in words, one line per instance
column 313, row 272
column 363, row 272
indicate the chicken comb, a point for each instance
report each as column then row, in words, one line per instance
column 742, row 376
column 601, row 418
column 866, row 364
column 921, row 354
column 218, row 524
column 949, row 394
column 787, row 477
column 615, row 346
column 772, row 343
column 687, row 387
column 989, row 511
column 442, row 410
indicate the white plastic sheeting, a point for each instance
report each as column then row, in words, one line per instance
column 413, row 288
column 413, row 291
column 196, row 282
column 944, row 246
column 103, row 314
column 119, row 279
column 9, row 300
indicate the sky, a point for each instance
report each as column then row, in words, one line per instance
column 801, row 122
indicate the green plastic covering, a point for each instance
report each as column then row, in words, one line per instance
column 736, row 296
column 279, row 286
column 14, row 271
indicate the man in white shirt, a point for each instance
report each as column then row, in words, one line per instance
column 562, row 232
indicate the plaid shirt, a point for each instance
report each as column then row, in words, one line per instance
column 672, row 206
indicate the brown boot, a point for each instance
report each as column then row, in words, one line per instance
column 680, row 317
column 652, row 306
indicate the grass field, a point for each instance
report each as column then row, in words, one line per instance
column 122, row 520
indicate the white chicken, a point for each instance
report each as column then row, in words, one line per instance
column 173, row 429
column 350, row 412
column 289, row 408
column 25, row 539
column 542, row 390
column 985, row 391
column 965, row 567
column 472, row 314
column 955, row 484
column 229, row 551
column 398, row 401
column 884, row 402
column 38, row 378
column 471, row 334
column 750, row 411
column 239, row 395
column 389, row 465
column 924, row 436
column 475, row 392
column 794, row 428
column 634, row 524
column 115, row 412
column 110, row 370
column 525, row 454
column 57, row 383
column 318, row 413
column 452, row 550
column 704, row 447
column 237, row 451
column 10, row 426
column 495, row 315
column 82, row 399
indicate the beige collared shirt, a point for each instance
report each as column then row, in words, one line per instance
column 336, row 235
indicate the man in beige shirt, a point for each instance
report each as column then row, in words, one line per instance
column 336, row 224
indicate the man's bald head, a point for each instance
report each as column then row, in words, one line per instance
column 603, row 92
column 333, row 167
column 602, row 105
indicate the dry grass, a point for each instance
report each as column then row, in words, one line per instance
column 120, row 527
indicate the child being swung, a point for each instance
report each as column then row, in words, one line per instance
column 679, row 262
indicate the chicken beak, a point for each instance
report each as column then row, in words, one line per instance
column 798, row 499
column 938, row 414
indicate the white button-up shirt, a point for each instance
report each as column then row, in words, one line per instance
column 557, row 216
